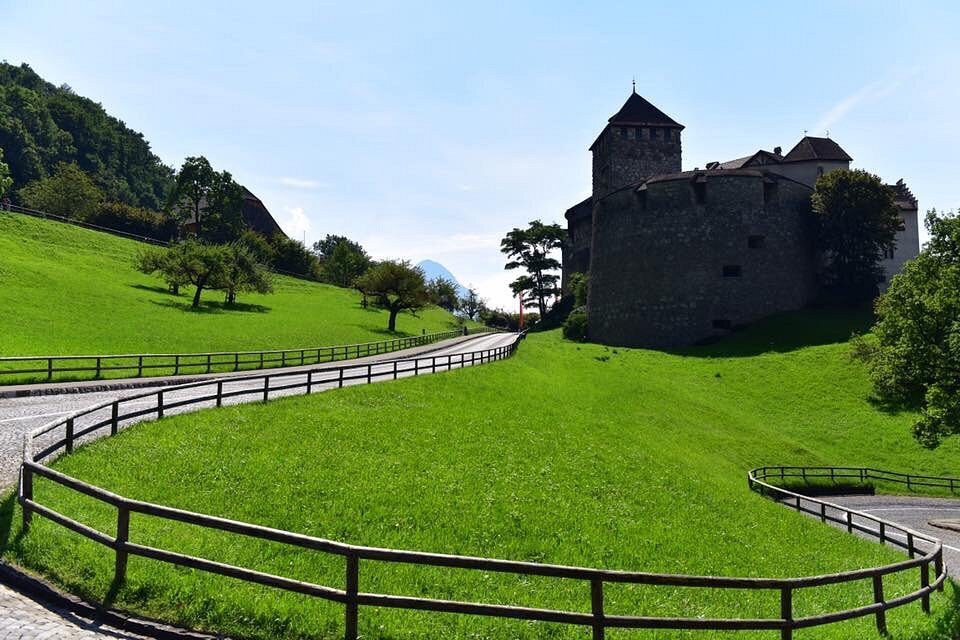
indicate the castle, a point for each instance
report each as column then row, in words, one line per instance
column 676, row 257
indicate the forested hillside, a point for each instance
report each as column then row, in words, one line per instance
column 42, row 125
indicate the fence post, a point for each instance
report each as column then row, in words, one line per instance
column 176, row 365
column 97, row 375
column 309, row 382
column 26, row 493
column 369, row 372
column 114, row 422
column 849, row 522
column 340, row 379
column 236, row 361
column 303, row 355
column 938, row 566
column 883, row 533
column 910, row 550
column 596, row 599
column 69, row 435
column 123, row 534
column 219, row 393
column 49, row 368
column 139, row 366
column 786, row 612
column 283, row 358
column 266, row 388
column 394, row 369
column 159, row 404
column 878, row 598
column 416, row 366
column 925, row 585
column 433, row 365
column 208, row 363
column 823, row 512
column 353, row 580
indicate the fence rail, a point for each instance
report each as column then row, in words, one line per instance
column 860, row 474
column 216, row 361
column 925, row 552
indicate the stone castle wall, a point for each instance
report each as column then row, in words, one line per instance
column 625, row 154
column 681, row 262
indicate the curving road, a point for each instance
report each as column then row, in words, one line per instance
column 25, row 618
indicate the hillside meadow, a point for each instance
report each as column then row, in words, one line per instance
column 66, row 290
column 567, row 453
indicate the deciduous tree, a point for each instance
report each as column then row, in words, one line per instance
column 915, row 358
column 241, row 272
column 443, row 293
column 472, row 304
column 343, row 259
column 189, row 262
column 68, row 192
column 395, row 286
column 858, row 222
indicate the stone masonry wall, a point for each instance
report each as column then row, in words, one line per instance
column 667, row 271
column 621, row 158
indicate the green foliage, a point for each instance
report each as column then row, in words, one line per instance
column 135, row 220
column 291, row 256
column 530, row 249
column 500, row 319
column 190, row 262
column 395, row 286
column 241, row 272
column 572, row 454
column 472, row 304
column 575, row 326
column 208, row 200
column 42, row 126
column 443, row 293
column 579, row 285
column 5, row 180
column 858, row 221
column 342, row 260
column 60, row 285
column 69, row 192
column 915, row 360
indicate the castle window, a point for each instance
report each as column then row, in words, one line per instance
column 722, row 323
column 700, row 192
column 666, row 134
column 756, row 242
column 732, row 271
column 623, row 132
column 654, row 133
column 638, row 133
column 769, row 192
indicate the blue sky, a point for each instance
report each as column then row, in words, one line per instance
column 428, row 130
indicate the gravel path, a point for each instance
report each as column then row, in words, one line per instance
column 24, row 618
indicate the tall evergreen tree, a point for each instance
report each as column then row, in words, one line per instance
column 531, row 250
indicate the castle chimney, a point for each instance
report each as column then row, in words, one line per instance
column 778, row 151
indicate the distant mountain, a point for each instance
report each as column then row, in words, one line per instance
column 433, row 269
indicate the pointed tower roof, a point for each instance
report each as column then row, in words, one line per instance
column 638, row 111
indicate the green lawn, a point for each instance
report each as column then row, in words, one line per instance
column 66, row 290
column 574, row 454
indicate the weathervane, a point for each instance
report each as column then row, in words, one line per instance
column 634, row 84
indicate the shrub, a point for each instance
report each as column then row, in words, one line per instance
column 135, row 220
column 575, row 326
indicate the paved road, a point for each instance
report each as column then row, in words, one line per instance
column 915, row 513
column 22, row 618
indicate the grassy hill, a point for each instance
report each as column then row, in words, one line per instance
column 567, row 453
column 66, row 290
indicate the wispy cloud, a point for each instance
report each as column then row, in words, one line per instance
column 301, row 183
column 865, row 95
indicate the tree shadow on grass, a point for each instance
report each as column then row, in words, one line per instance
column 154, row 289
column 211, row 307
column 786, row 332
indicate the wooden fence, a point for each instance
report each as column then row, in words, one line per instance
column 136, row 364
column 926, row 553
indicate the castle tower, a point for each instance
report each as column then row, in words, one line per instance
column 638, row 141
